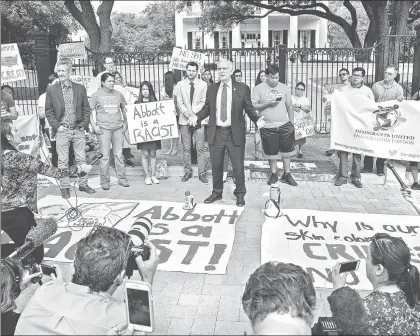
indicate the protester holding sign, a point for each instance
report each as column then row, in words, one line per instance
column 148, row 149
column 385, row 90
column 393, row 306
column 109, row 122
column 302, row 108
column 357, row 87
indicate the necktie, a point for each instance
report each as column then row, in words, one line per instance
column 223, row 107
column 191, row 92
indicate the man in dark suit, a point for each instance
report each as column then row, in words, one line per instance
column 68, row 113
column 225, row 103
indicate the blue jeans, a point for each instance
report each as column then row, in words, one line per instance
column 186, row 145
column 63, row 140
column 116, row 137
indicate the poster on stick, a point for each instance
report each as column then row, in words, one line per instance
column 11, row 64
column 317, row 240
column 360, row 125
column 181, row 57
column 152, row 121
column 73, row 50
column 195, row 241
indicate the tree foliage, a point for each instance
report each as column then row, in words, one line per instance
column 20, row 18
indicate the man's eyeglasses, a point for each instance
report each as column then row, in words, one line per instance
column 343, row 74
column 109, row 63
column 389, row 74
column 238, row 76
column 358, row 76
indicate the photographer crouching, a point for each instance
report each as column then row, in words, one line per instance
column 85, row 305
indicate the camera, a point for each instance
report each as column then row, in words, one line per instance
column 138, row 232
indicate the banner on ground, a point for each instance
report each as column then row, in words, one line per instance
column 196, row 241
column 11, row 64
column 73, row 50
column 384, row 130
column 152, row 121
column 304, row 126
column 317, row 240
column 181, row 57
column 90, row 83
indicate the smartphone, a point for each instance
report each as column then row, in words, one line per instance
column 279, row 98
column 349, row 266
column 139, row 305
column 48, row 270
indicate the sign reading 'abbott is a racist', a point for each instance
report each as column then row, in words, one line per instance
column 152, row 121
column 197, row 241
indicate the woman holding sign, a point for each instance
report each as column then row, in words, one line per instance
column 302, row 109
column 148, row 149
column 109, row 122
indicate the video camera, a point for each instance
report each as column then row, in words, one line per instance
column 139, row 232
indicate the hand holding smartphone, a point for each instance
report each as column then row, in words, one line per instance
column 348, row 266
column 139, row 305
column 48, row 270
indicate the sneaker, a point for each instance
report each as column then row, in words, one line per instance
column 148, row 181
column 130, row 163
column 273, row 179
column 380, row 173
column 287, row 178
column 356, row 182
column 155, row 180
column 105, row 186
column 86, row 189
column 124, row 183
column 300, row 156
column 363, row 170
column 415, row 186
column 340, row 181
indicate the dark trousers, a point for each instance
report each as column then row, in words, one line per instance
column 17, row 223
column 127, row 153
column 223, row 141
column 368, row 164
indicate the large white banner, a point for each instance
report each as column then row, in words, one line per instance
column 196, row 241
column 152, row 121
column 181, row 57
column 316, row 240
column 11, row 64
column 385, row 130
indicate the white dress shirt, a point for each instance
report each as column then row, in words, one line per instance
column 228, row 121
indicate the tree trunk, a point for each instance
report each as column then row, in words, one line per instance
column 371, row 35
column 400, row 15
column 104, row 14
column 380, row 10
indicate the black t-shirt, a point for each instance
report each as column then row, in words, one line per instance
column 9, row 321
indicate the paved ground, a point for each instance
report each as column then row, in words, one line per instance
column 211, row 304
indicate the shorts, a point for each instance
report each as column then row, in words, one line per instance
column 279, row 140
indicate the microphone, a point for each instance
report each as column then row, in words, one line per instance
column 36, row 237
column 96, row 157
column 404, row 187
column 86, row 168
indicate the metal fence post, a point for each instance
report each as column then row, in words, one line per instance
column 282, row 62
column 416, row 63
column 43, row 58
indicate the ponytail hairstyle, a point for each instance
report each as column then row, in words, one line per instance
column 394, row 255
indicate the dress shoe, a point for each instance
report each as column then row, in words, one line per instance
column 105, row 186
column 86, row 189
column 129, row 163
column 203, row 178
column 240, row 202
column 124, row 183
column 65, row 192
column 356, row 182
column 212, row 198
column 186, row 177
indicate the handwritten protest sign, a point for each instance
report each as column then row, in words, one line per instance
column 316, row 240
column 181, row 57
column 197, row 241
column 304, row 126
column 152, row 121
column 11, row 64
column 74, row 50
column 90, row 83
column 359, row 125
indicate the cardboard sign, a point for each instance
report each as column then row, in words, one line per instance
column 316, row 240
column 74, row 50
column 90, row 83
column 304, row 126
column 152, row 121
column 385, row 130
column 181, row 57
column 196, row 241
column 11, row 64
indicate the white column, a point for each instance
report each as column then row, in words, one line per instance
column 208, row 41
column 236, row 36
column 322, row 33
column 264, row 32
column 293, row 32
column 179, row 30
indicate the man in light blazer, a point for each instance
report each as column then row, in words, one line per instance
column 225, row 103
column 190, row 99
column 68, row 113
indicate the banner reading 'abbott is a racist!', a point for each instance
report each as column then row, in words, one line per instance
column 386, row 130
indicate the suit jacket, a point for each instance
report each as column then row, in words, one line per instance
column 54, row 105
column 183, row 98
column 241, row 101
